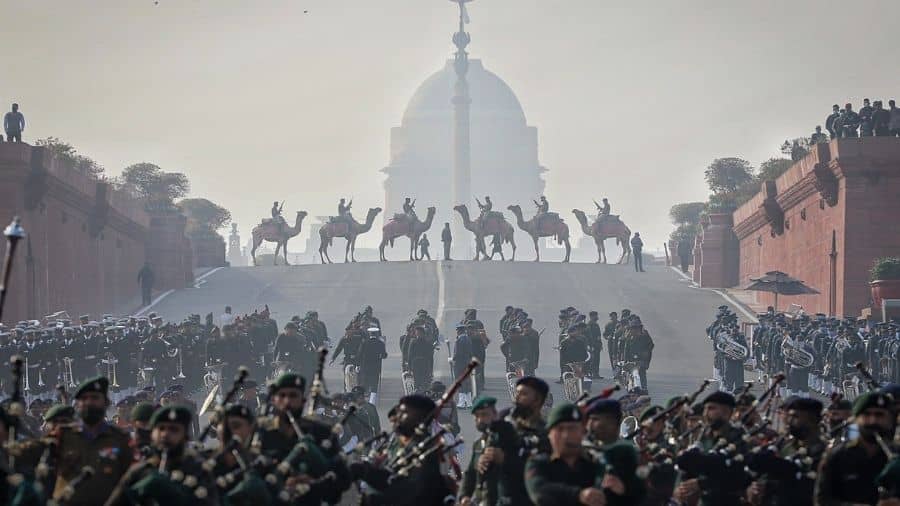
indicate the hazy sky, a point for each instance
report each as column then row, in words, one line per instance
column 258, row 101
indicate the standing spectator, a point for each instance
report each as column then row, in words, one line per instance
column 637, row 245
column 849, row 122
column 497, row 247
column 865, row 119
column 881, row 120
column 894, row 124
column 447, row 239
column 226, row 318
column 145, row 278
column 423, row 248
column 818, row 137
column 829, row 122
column 14, row 124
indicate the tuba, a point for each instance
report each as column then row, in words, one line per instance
column 731, row 348
column 795, row 355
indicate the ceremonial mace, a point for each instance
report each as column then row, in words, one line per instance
column 14, row 232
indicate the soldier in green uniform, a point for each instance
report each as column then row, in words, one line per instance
column 656, row 456
column 237, row 480
column 570, row 475
column 786, row 473
column 420, row 484
column 603, row 418
column 282, row 432
column 494, row 474
column 173, row 474
column 705, row 472
column 848, row 471
column 95, row 443
column 525, row 416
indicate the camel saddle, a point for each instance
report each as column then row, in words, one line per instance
column 492, row 222
column 401, row 218
column 549, row 222
column 492, row 215
column 337, row 228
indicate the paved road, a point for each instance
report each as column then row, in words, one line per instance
column 674, row 313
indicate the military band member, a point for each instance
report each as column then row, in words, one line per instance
column 568, row 475
column 235, row 430
column 278, row 435
column 525, row 415
column 603, row 418
column 848, row 471
column 174, row 473
column 421, row 484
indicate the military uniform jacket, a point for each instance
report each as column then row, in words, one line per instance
column 184, row 482
column 552, row 481
column 323, row 454
column 847, row 475
column 107, row 452
column 501, row 485
column 422, row 486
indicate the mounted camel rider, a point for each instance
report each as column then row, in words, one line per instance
column 602, row 211
column 543, row 207
column 486, row 207
column 344, row 209
column 277, row 218
column 409, row 209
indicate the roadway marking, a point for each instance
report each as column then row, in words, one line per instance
column 729, row 299
column 159, row 298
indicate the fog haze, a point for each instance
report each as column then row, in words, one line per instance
column 260, row 101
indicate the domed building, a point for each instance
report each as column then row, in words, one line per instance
column 504, row 149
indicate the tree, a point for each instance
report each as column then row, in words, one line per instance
column 727, row 175
column 796, row 148
column 204, row 216
column 159, row 187
column 69, row 155
column 687, row 213
column 772, row 168
column 684, row 232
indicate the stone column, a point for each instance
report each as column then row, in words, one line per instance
column 461, row 189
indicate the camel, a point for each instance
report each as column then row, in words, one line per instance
column 613, row 227
column 269, row 231
column 349, row 229
column 552, row 226
column 405, row 226
column 487, row 228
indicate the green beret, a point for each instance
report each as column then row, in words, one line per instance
column 605, row 407
column 565, row 412
column 483, row 402
column 289, row 380
column 240, row 411
column 650, row 412
column 173, row 414
column 807, row 404
column 623, row 457
column 672, row 400
column 872, row 400
column 720, row 397
column 98, row 384
column 59, row 411
column 142, row 412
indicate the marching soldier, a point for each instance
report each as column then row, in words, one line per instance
column 594, row 338
column 494, row 474
column 603, row 418
column 567, row 475
column 639, row 348
column 609, row 333
column 287, row 427
column 94, row 443
column 372, row 353
column 525, row 415
column 848, row 471
column 174, row 474
column 421, row 483
column 235, row 430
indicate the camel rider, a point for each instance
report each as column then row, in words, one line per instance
column 344, row 209
column 603, row 211
column 486, row 207
column 542, row 208
column 409, row 208
column 277, row 218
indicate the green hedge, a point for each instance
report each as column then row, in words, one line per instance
column 885, row 268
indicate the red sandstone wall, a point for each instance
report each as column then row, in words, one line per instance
column 865, row 222
column 60, row 266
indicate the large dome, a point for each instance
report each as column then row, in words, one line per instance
column 490, row 96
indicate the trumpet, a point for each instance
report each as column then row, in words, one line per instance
column 180, row 353
column 68, row 376
column 27, row 384
column 111, row 362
